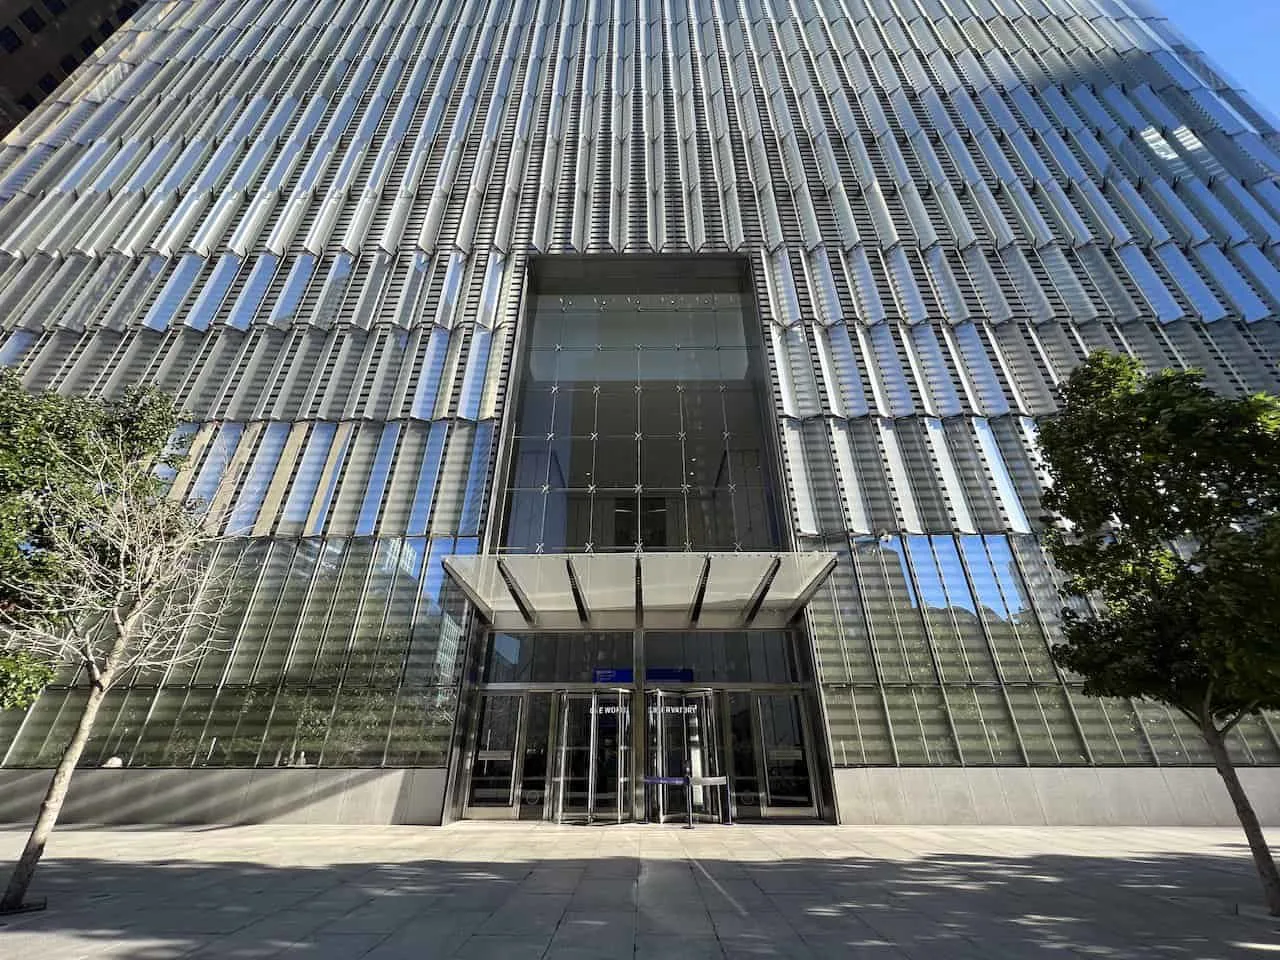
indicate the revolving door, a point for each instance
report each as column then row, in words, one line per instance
column 684, row 775
column 592, row 773
column 552, row 755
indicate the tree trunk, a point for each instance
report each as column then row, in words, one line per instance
column 51, row 806
column 1262, row 858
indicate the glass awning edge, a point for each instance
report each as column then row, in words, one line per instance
column 673, row 591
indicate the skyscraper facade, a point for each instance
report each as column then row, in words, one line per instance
column 627, row 409
column 43, row 41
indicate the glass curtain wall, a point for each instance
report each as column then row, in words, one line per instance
column 934, row 650
column 338, row 652
column 638, row 425
column 314, row 223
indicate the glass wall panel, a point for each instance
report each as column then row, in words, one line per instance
column 1064, row 730
column 990, row 587
column 380, row 470
column 921, row 727
column 1254, row 741
column 1104, row 746
column 315, row 611
column 216, row 461
column 171, row 736
column 113, row 739
column 354, row 479
column 424, row 496
column 365, row 664
column 1195, row 750
column 213, row 292
column 252, row 556
column 1135, row 745
column 983, row 727
column 361, row 722
column 335, row 644
column 251, row 495
column 421, row 727
column 1161, row 733
column 306, row 480
column 837, row 629
column 435, row 645
column 237, row 720
column 29, row 747
column 568, row 657
column 292, row 594
column 901, row 644
column 100, row 738
column 1032, row 599
column 11, row 721
column 299, row 724
column 254, row 629
column 859, row 728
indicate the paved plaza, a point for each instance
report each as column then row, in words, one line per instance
column 513, row 891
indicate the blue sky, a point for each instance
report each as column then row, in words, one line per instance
column 1239, row 36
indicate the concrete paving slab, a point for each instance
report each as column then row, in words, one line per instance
column 502, row 948
column 635, row 891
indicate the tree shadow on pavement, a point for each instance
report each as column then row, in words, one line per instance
column 933, row 906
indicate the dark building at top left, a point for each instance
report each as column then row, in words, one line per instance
column 42, row 41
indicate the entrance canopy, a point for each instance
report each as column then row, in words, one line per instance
column 676, row 591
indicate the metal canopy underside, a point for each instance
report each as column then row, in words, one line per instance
column 672, row 591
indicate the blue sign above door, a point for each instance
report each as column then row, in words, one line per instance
column 668, row 675
column 613, row 675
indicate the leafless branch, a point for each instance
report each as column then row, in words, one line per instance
column 137, row 581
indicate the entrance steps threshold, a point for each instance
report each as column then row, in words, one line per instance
column 527, row 825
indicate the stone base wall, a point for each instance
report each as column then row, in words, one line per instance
column 232, row 796
column 1085, row 796
column 1183, row 796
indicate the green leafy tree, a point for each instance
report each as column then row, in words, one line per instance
column 45, row 441
column 42, row 438
column 22, row 677
column 100, row 570
column 1166, row 497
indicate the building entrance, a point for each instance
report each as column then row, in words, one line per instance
column 639, row 650
column 593, row 757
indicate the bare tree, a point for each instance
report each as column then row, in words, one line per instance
column 134, row 588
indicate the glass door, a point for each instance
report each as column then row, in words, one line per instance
column 744, row 755
column 787, row 759
column 684, row 769
column 593, row 757
column 491, row 792
column 535, row 752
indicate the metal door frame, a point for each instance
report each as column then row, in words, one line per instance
column 511, row 810
column 730, row 764
column 767, row 811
